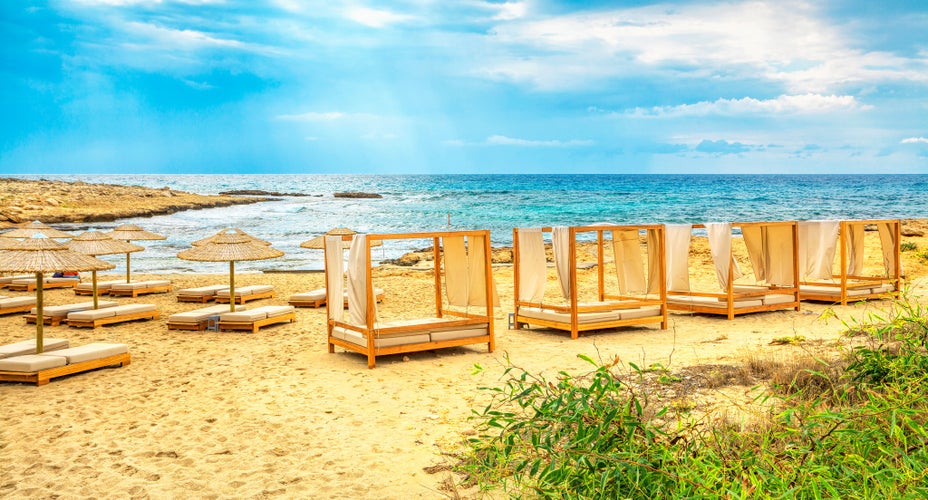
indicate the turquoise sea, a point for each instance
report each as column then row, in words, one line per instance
column 496, row 202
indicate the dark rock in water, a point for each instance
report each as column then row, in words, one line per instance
column 258, row 192
column 358, row 195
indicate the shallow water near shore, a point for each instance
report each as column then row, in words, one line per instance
column 497, row 202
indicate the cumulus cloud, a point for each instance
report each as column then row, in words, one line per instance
column 375, row 18
column 502, row 140
column 790, row 42
column 914, row 140
column 784, row 104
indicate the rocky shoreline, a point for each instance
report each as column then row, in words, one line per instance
column 23, row 200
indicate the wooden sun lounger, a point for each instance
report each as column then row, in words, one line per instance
column 11, row 305
column 254, row 319
column 198, row 319
column 103, row 287
column 6, row 280
column 39, row 369
column 316, row 298
column 201, row 294
column 29, row 284
column 111, row 315
column 140, row 288
column 55, row 315
column 246, row 293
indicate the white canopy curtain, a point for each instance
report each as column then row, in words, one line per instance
column 357, row 282
column 465, row 266
column 770, row 249
column 334, row 274
column 533, row 271
column 560, row 237
column 629, row 268
column 678, row 238
column 719, row 234
column 888, row 244
column 818, row 240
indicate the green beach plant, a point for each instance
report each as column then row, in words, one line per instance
column 852, row 427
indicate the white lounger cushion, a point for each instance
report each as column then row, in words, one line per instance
column 713, row 301
column 31, row 281
column 317, row 294
column 851, row 292
column 31, row 363
column 202, row 291
column 356, row 338
column 88, row 352
column 101, row 285
column 16, row 302
column 136, row 285
column 256, row 314
column 9, row 279
column 111, row 311
column 28, row 347
column 778, row 298
column 246, row 290
column 63, row 310
column 199, row 315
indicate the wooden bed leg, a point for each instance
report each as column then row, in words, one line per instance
column 331, row 348
column 371, row 361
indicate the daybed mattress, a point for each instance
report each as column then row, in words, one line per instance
column 436, row 331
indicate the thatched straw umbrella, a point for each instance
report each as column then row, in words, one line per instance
column 129, row 232
column 236, row 230
column 230, row 246
column 39, row 254
column 318, row 243
column 27, row 230
column 95, row 243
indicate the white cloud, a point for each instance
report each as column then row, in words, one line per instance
column 784, row 104
column 375, row 18
column 502, row 140
column 914, row 140
column 507, row 11
column 789, row 42
column 313, row 116
column 181, row 39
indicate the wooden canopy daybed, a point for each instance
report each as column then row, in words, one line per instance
column 467, row 281
column 641, row 297
column 854, row 280
column 772, row 249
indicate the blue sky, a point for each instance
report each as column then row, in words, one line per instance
column 470, row 86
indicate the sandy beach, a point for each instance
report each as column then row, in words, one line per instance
column 208, row 414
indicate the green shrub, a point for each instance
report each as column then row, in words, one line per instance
column 834, row 432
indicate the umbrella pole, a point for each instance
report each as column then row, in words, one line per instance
column 128, row 258
column 94, row 277
column 39, row 319
column 232, row 285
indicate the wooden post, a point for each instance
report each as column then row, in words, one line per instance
column 436, row 249
column 488, row 270
column 232, row 285
column 796, row 297
column 93, row 274
column 128, row 261
column 572, row 273
column 515, row 276
column 843, row 242
column 599, row 263
column 39, row 311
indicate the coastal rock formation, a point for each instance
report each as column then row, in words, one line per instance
column 58, row 201
column 260, row 192
column 357, row 195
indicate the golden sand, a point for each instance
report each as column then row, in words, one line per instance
column 206, row 414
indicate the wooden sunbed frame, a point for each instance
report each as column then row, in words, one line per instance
column 135, row 292
column 730, row 295
column 42, row 377
column 254, row 326
column 17, row 309
column 48, row 320
column 196, row 298
column 241, row 299
column 30, row 287
column 466, row 319
column 572, row 308
column 120, row 318
column 849, row 282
